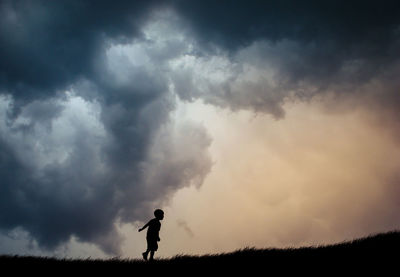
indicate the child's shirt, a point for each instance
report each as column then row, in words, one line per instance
column 154, row 228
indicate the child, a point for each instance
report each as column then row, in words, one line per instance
column 152, row 236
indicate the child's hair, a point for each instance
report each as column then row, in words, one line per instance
column 158, row 213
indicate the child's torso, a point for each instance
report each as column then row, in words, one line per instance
column 154, row 228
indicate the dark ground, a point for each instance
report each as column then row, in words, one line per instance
column 377, row 255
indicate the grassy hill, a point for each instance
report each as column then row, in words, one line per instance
column 377, row 253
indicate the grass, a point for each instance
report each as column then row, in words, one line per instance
column 376, row 253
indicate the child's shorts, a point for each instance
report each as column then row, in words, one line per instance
column 152, row 244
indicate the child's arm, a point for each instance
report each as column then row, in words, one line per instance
column 144, row 227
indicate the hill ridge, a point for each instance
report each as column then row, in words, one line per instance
column 376, row 251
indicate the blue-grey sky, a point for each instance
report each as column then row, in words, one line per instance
column 90, row 92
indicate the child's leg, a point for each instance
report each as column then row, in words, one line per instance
column 144, row 254
column 151, row 255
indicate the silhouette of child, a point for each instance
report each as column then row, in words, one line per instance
column 152, row 236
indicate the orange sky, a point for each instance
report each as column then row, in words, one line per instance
column 310, row 178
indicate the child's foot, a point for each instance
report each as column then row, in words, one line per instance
column 144, row 254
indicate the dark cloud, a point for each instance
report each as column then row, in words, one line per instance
column 235, row 25
column 44, row 46
column 86, row 134
column 87, row 138
column 313, row 47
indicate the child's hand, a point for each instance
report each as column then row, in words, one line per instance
column 141, row 229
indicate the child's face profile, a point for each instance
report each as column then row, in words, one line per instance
column 159, row 214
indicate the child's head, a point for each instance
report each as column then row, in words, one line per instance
column 159, row 214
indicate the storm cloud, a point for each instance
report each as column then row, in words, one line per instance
column 88, row 90
column 279, row 50
column 86, row 133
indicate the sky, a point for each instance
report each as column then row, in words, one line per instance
column 250, row 123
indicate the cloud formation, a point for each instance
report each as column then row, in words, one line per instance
column 87, row 135
column 274, row 51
